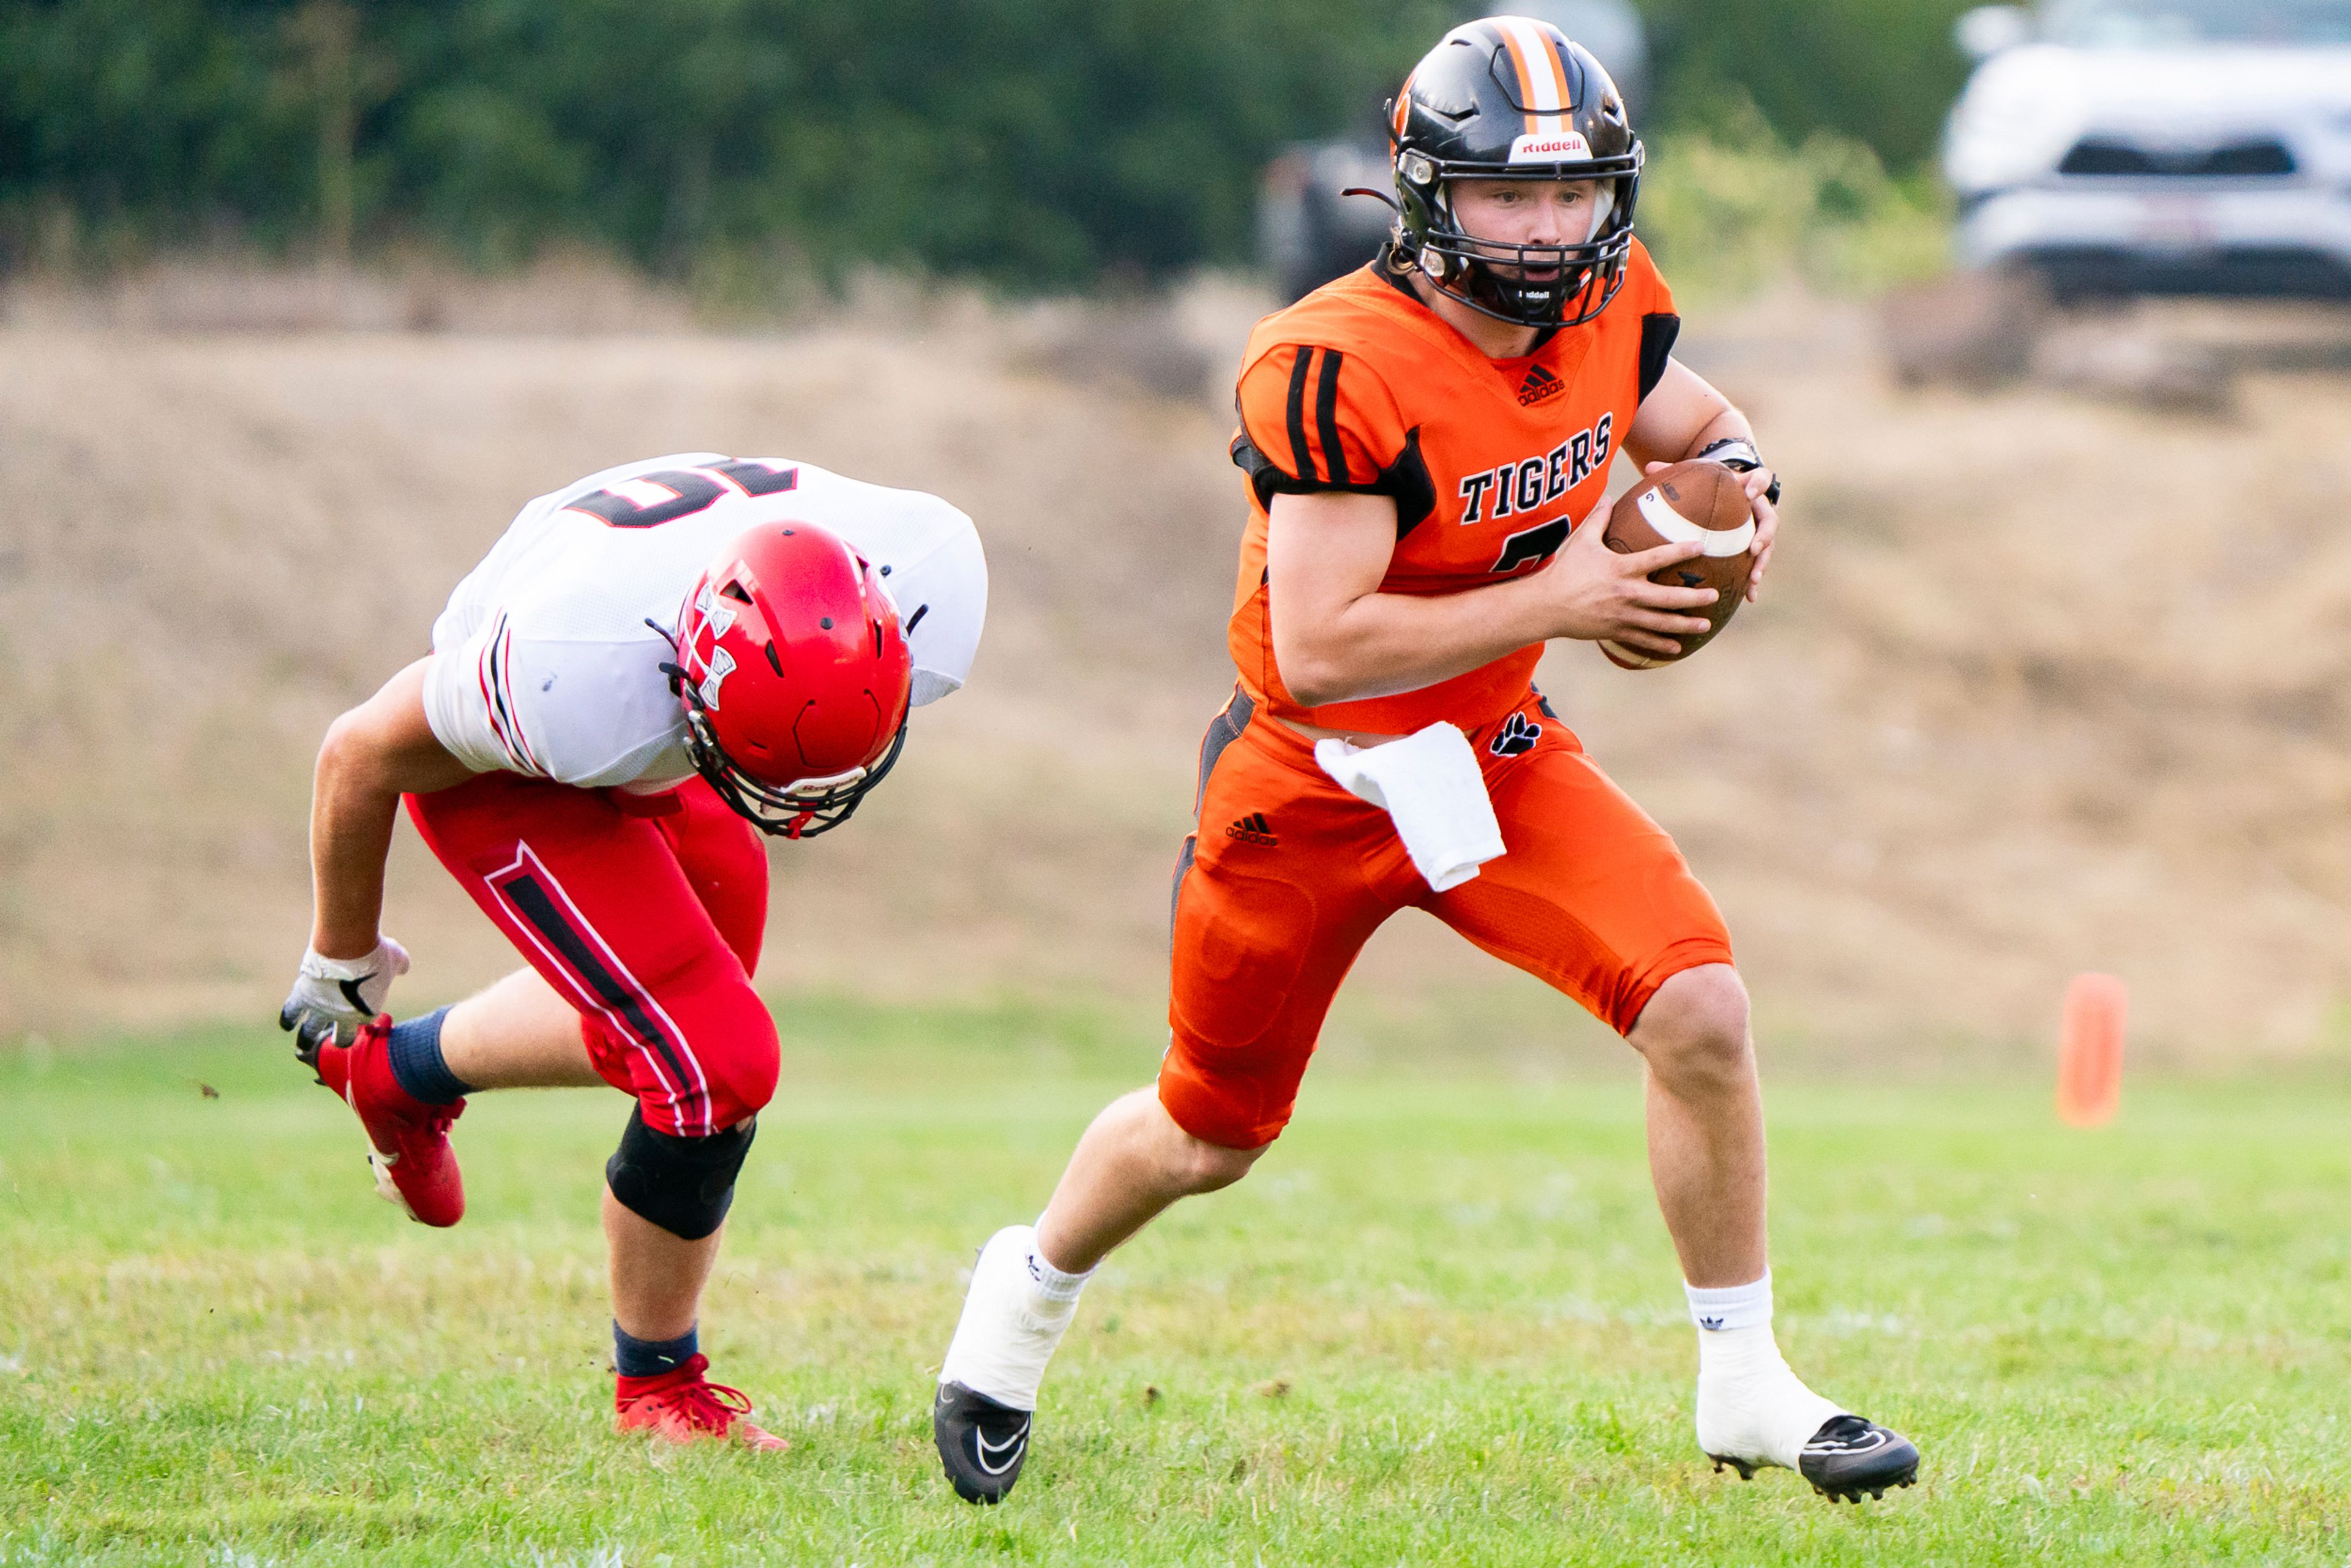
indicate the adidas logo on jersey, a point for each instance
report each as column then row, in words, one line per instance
column 1540, row 385
column 1253, row 829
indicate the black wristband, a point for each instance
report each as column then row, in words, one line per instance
column 1741, row 457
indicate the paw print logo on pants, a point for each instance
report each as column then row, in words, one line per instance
column 1515, row 736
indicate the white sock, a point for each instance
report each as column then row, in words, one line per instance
column 1730, row 1306
column 1751, row 1406
column 1011, row 1326
column 1053, row 1284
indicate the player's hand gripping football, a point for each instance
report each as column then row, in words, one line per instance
column 1598, row 595
column 332, row 997
column 1759, row 483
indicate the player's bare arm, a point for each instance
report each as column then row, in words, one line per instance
column 1682, row 417
column 373, row 754
column 1339, row 638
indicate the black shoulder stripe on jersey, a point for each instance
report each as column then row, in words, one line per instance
column 1657, row 334
column 1406, row 480
column 1299, row 370
column 1326, row 416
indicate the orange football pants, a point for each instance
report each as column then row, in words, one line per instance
column 1288, row 875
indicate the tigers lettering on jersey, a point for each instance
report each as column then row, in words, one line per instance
column 1361, row 388
column 1537, row 481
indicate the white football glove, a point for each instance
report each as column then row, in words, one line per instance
column 332, row 997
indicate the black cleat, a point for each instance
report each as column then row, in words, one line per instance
column 1849, row 1455
column 981, row 1442
column 1846, row 1458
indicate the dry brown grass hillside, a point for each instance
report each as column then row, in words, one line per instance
column 2047, row 681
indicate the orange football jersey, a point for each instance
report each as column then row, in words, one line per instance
column 1360, row 387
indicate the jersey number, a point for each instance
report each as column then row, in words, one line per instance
column 1530, row 546
column 692, row 490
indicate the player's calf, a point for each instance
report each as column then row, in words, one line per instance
column 680, row 1188
column 1134, row 1161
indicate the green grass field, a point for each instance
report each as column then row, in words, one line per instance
column 1439, row 1326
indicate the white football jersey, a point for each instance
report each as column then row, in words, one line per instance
column 543, row 662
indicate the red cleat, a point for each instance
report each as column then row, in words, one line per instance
column 682, row 1406
column 408, row 1140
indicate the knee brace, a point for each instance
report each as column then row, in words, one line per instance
column 683, row 1185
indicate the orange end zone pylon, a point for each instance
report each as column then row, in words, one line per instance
column 2090, row 1051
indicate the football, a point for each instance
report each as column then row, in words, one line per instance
column 1696, row 501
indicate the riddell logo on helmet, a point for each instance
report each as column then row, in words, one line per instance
column 1549, row 147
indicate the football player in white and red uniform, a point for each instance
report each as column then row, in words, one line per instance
column 648, row 665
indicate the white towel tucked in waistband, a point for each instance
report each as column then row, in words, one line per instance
column 1430, row 786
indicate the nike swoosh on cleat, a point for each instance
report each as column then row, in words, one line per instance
column 1877, row 1437
column 1010, row 1447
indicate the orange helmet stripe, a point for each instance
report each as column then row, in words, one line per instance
column 1403, row 103
column 1542, row 80
column 1519, row 62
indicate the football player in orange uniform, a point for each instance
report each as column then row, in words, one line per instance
column 1421, row 438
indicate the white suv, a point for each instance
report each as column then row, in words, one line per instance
column 2159, row 146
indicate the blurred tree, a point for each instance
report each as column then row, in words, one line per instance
column 146, row 118
column 1883, row 72
column 1043, row 143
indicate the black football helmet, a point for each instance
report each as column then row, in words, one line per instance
column 1511, row 98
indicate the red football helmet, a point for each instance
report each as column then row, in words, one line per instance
column 794, row 677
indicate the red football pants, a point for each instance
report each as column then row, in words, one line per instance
column 1290, row 875
column 643, row 912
